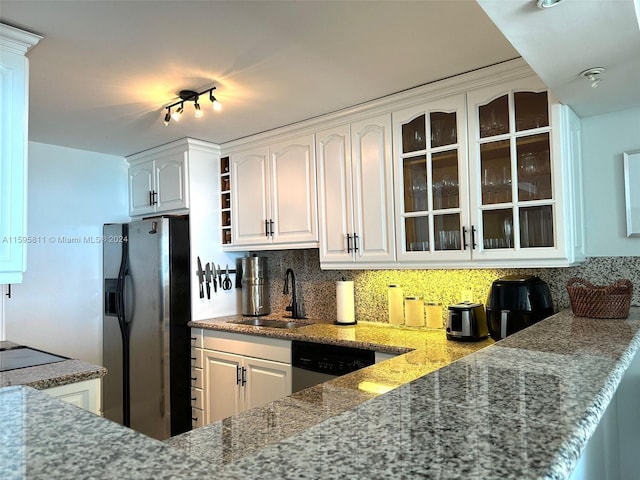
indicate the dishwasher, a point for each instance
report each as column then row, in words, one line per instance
column 315, row 363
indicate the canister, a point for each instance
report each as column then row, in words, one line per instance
column 413, row 312
column 434, row 315
column 255, row 286
column 396, row 307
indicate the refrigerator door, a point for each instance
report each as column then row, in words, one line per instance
column 147, row 306
column 112, row 341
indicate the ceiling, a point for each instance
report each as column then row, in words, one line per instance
column 103, row 72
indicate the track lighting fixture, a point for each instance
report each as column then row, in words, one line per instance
column 190, row 96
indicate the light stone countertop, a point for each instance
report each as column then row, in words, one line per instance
column 50, row 375
column 522, row 408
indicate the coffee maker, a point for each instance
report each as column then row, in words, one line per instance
column 516, row 302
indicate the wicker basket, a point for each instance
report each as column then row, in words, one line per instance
column 588, row 300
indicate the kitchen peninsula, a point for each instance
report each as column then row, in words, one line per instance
column 522, row 408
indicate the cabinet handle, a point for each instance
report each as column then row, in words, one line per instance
column 271, row 227
column 238, row 375
column 244, row 376
column 266, row 228
column 153, row 197
column 348, row 243
column 355, row 242
column 473, row 237
column 195, row 419
column 464, row 238
column 150, row 198
column 8, row 294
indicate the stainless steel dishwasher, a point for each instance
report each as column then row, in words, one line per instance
column 315, row 363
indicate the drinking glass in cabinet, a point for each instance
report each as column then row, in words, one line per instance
column 225, row 200
column 494, row 117
column 226, row 218
column 495, row 165
column 536, row 226
column 534, row 167
column 225, row 184
column 415, row 184
column 532, row 110
column 445, row 180
column 447, row 228
column 443, row 129
column 417, row 234
column 413, row 135
column 497, row 229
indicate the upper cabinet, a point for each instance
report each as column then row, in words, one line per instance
column 273, row 195
column 14, row 110
column 158, row 181
column 498, row 185
column 355, row 193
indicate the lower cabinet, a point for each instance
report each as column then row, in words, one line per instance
column 238, row 372
column 85, row 394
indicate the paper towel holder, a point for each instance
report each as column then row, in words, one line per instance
column 336, row 322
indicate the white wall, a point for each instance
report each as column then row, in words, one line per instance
column 71, row 193
column 604, row 139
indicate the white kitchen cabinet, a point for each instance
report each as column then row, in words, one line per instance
column 158, row 181
column 240, row 372
column 489, row 178
column 273, row 195
column 355, row 194
column 85, row 394
column 14, row 112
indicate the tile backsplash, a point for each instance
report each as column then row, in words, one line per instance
column 317, row 289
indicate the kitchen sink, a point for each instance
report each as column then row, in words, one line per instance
column 272, row 323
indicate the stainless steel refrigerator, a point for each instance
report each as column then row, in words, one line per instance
column 146, row 340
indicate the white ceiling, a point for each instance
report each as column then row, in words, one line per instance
column 104, row 69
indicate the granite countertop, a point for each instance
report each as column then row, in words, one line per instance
column 522, row 408
column 50, row 375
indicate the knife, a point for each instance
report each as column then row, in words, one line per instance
column 219, row 276
column 200, row 278
column 213, row 277
column 207, row 274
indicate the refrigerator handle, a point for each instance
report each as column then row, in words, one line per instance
column 124, row 329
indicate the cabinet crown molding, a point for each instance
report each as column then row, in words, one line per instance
column 17, row 40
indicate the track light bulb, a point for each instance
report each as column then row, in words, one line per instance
column 199, row 113
column 178, row 113
column 167, row 117
column 217, row 106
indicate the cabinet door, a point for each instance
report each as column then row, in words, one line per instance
column 171, row 174
column 431, row 181
column 266, row 381
column 249, row 196
column 222, row 379
column 515, row 171
column 371, row 167
column 141, row 188
column 335, row 199
column 293, row 191
column 85, row 394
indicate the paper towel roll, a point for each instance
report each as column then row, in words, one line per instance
column 345, row 302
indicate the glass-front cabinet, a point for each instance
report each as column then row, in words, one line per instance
column 431, row 174
column 489, row 176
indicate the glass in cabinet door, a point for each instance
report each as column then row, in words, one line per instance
column 536, row 226
column 534, row 168
column 494, row 117
column 495, row 168
column 413, row 135
column 447, row 232
column 443, row 129
column 417, row 234
column 414, row 173
column 445, row 189
column 531, row 110
column 497, row 229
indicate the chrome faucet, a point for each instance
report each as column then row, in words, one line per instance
column 293, row 308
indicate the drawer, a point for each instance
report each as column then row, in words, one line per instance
column 196, row 338
column 196, row 398
column 196, row 358
column 267, row 348
column 197, row 418
column 196, row 378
